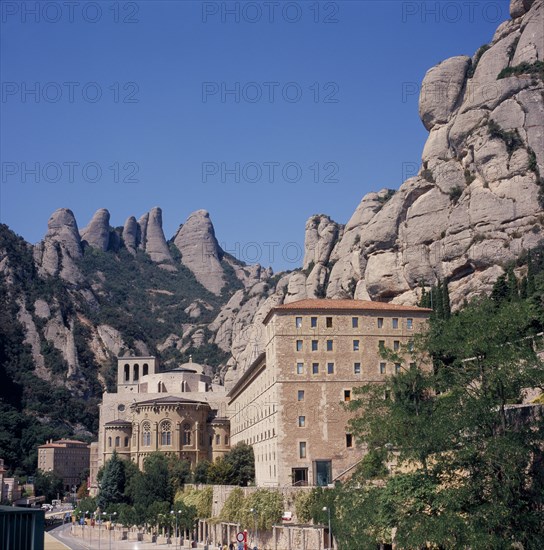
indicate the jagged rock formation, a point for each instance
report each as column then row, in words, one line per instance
column 97, row 233
column 200, row 251
column 153, row 241
column 474, row 205
column 57, row 253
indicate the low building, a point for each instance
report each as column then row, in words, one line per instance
column 9, row 486
column 288, row 403
column 68, row 458
column 179, row 412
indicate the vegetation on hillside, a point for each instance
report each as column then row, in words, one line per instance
column 133, row 295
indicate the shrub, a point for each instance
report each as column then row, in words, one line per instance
column 536, row 68
column 455, row 193
column 231, row 510
column 511, row 138
column 469, row 176
column 200, row 499
column 477, row 57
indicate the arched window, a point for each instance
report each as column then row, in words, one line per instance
column 136, row 372
column 146, row 434
column 159, row 387
column 145, row 369
column 126, row 441
column 127, row 372
column 117, row 441
column 109, row 441
column 166, row 433
column 183, row 387
column 186, row 434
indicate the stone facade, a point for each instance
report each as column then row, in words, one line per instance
column 288, row 404
column 179, row 412
column 67, row 458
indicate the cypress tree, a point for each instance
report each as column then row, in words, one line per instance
column 112, row 484
column 446, row 300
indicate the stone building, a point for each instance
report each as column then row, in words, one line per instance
column 67, row 458
column 9, row 486
column 180, row 412
column 288, row 403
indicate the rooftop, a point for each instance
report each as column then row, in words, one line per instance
column 325, row 305
column 169, row 400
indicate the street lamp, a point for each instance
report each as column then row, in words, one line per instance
column 255, row 532
column 176, row 531
column 99, row 522
column 328, row 509
column 111, row 525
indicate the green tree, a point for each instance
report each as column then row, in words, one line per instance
column 48, row 484
column 153, row 484
column 473, row 478
column 179, row 472
column 201, row 472
column 241, row 460
column 112, row 482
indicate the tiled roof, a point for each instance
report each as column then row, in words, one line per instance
column 118, row 423
column 342, row 305
column 168, row 400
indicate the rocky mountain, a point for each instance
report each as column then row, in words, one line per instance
column 476, row 204
column 80, row 297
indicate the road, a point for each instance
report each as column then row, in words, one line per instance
column 62, row 533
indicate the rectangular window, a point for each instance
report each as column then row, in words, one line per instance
column 355, row 345
column 356, row 368
column 395, row 322
column 397, row 368
column 409, row 324
column 301, row 421
column 298, row 322
column 396, row 345
column 382, row 368
column 315, row 368
column 302, row 449
column 300, row 395
column 299, row 345
column 313, row 322
column 329, row 345
column 410, row 345
column 347, row 395
column 354, row 322
column 314, row 345
column 328, row 322
column 412, row 366
column 300, row 368
column 380, row 322
column 381, row 345
column 349, row 440
column 330, row 368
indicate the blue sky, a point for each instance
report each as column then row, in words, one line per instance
column 261, row 113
